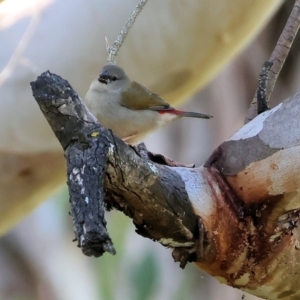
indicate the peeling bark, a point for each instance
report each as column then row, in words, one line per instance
column 261, row 165
column 236, row 216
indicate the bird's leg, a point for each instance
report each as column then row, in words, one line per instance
column 125, row 139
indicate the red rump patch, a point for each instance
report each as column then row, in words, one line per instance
column 171, row 111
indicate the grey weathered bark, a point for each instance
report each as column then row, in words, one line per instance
column 236, row 216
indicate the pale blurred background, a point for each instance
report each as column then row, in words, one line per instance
column 38, row 259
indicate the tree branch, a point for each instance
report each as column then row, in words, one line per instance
column 153, row 195
column 236, row 216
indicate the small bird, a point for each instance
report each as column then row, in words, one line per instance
column 128, row 108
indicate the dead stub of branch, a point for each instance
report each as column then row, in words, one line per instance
column 76, row 129
column 236, row 216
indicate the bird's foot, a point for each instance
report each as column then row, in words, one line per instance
column 140, row 150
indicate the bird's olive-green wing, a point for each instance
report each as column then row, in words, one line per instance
column 137, row 97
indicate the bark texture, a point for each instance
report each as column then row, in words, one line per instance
column 236, row 216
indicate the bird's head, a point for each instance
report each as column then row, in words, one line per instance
column 113, row 77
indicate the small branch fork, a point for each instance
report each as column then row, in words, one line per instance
column 113, row 50
column 271, row 68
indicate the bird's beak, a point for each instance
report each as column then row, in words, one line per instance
column 104, row 77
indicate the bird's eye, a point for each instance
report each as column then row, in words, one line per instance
column 114, row 78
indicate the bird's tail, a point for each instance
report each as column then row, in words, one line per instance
column 191, row 114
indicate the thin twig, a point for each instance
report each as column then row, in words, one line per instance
column 262, row 89
column 277, row 60
column 284, row 45
column 113, row 50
